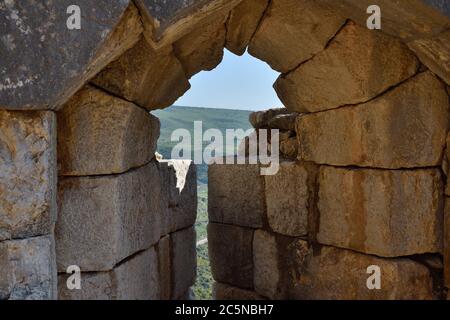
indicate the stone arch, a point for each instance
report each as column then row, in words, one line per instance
column 136, row 56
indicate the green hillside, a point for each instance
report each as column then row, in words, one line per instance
column 178, row 117
column 183, row 117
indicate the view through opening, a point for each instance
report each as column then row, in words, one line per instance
column 221, row 99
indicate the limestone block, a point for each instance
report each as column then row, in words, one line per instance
column 151, row 79
column 242, row 24
column 202, row 49
column 184, row 261
column 447, row 242
column 404, row 128
column 99, row 134
column 404, row 19
column 284, row 122
column 28, row 269
column 180, row 181
column 445, row 166
column 230, row 253
column 435, row 54
column 27, row 173
column 261, row 119
column 358, row 65
column 44, row 64
column 236, row 194
column 167, row 21
column 223, row 291
column 288, row 199
column 338, row 274
column 387, row 213
column 289, row 148
column 135, row 279
column 293, row 31
column 267, row 274
column 105, row 219
column 164, row 267
column 331, row 273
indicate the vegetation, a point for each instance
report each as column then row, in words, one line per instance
column 178, row 117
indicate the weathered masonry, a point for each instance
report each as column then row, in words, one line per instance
column 364, row 135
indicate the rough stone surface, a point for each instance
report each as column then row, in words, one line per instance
column 333, row 273
column 184, row 261
column 358, row 65
column 405, row 19
column 261, row 119
column 134, row 279
column 40, row 67
column 167, row 21
column 28, row 269
column 289, row 148
column 236, row 195
column 27, row 173
column 267, row 273
column 293, row 31
column 225, row 292
column 387, row 213
column 230, row 253
column 151, row 79
column 435, row 54
column 180, row 180
column 164, row 267
column 447, row 243
column 105, row 219
column 283, row 122
column 404, row 128
column 242, row 24
column 288, row 199
column 202, row 49
column 100, row 134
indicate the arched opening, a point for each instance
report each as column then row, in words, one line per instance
column 221, row 99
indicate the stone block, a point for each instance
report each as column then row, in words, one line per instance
column 242, row 24
column 180, row 181
column 27, row 173
column 447, row 243
column 289, row 148
column 44, row 64
column 267, row 274
column 105, row 219
column 184, row 261
column 166, row 21
column 99, row 134
column 152, row 79
column 403, row 19
column 223, row 291
column 261, row 119
column 164, row 267
column 337, row 274
column 236, row 194
column 230, row 253
column 358, row 65
column 435, row 54
column 137, row 278
column 28, row 269
column 293, row 31
column 387, row 213
column 288, row 199
column 202, row 49
column 404, row 128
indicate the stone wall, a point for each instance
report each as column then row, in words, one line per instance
column 366, row 114
column 362, row 172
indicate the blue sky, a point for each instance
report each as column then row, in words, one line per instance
column 237, row 83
